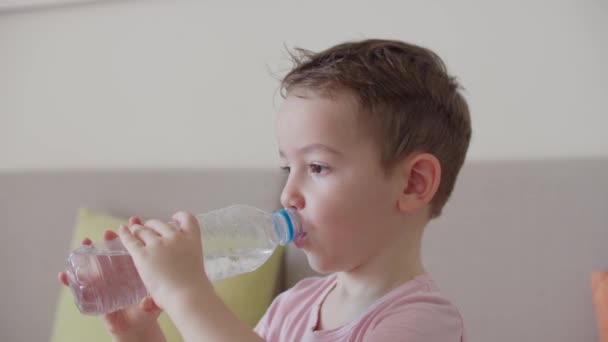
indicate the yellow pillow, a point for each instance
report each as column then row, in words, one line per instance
column 248, row 295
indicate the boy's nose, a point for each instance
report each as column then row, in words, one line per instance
column 291, row 197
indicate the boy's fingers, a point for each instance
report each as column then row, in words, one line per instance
column 63, row 278
column 130, row 242
column 162, row 228
column 187, row 222
column 109, row 235
column 148, row 305
column 146, row 234
column 174, row 225
column 134, row 220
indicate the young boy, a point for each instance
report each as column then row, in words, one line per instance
column 373, row 135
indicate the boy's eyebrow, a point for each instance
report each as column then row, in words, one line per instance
column 313, row 147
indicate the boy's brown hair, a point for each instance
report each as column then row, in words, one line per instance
column 411, row 102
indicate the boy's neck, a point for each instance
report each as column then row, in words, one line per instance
column 395, row 265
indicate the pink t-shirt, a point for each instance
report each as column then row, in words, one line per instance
column 412, row 312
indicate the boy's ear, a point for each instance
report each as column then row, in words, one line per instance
column 421, row 175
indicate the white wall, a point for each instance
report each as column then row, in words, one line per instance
column 187, row 83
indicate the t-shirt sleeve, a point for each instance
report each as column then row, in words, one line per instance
column 420, row 322
column 263, row 328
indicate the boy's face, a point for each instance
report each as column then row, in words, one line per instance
column 346, row 203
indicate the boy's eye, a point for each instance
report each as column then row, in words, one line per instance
column 316, row 168
column 313, row 168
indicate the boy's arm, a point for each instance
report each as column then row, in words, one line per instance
column 203, row 316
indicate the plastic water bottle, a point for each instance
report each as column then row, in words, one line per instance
column 236, row 239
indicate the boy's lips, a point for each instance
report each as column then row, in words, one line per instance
column 300, row 240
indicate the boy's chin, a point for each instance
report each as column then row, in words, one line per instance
column 319, row 265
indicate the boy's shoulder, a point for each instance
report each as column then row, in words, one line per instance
column 313, row 282
column 302, row 295
column 293, row 306
column 420, row 293
column 308, row 287
column 416, row 308
column 426, row 310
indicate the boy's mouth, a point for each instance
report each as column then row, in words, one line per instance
column 300, row 239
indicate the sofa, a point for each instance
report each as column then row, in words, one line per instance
column 514, row 248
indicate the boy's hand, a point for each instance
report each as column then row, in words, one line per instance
column 135, row 323
column 168, row 257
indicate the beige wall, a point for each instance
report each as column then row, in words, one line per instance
column 187, row 83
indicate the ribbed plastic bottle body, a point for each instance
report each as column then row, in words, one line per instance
column 103, row 278
column 236, row 239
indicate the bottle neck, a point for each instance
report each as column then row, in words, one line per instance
column 286, row 225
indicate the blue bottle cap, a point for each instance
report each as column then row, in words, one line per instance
column 285, row 225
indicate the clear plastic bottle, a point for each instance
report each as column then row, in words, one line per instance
column 236, row 239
